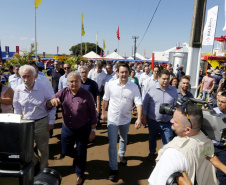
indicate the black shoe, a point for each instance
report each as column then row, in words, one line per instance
column 113, row 175
column 123, row 161
column 152, row 157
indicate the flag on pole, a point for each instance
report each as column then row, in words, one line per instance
column 85, row 47
column 17, row 49
column 225, row 15
column 104, row 44
column 210, row 26
column 118, row 33
column 57, row 49
column 96, row 39
column 37, row 3
column 82, row 31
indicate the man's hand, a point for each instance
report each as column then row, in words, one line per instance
column 104, row 116
column 209, row 91
column 55, row 102
column 183, row 180
column 92, row 136
column 210, row 100
column 138, row 124
column 144, row 121
column 50, row 127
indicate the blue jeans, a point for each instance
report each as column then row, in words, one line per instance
column 80, row 137
column 154, row 129
column 206, row 95
column 222, row 157
column 113, row 137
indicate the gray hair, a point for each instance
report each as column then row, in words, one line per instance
column 74, row 73
column 27, row 67
column 83, row 67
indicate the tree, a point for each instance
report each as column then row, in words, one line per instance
column 76, row 50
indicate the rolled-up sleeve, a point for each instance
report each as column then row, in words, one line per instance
column 51, row 112
column 137, row 98
column 107, row 92
column 16, row 104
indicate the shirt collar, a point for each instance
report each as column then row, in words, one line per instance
column 217, row 110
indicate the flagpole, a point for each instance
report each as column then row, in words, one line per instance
column 96, row 44
column 35, row 39
column 118, row 48
column 81, row 36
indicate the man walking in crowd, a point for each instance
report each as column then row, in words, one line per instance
column 182, row 91
column 220, row 148
column 57, row 73
column 79, row 121
column 90, row 86
column 171, row 73
column 180, row 73
column 160, row 92
column 138, row 72
column 110, row 73
column 29, row 100
column 187, row 151
column 144, row 76
column 150, row 81
column 120, row 94
column 208, row 83
column 63, row 82
column 14, row 80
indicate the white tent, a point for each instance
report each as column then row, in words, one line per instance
column 114, row 55
column 130, row 58
column 91, row 54
column 138, row 57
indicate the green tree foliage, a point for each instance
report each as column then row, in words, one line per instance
column 76, row 50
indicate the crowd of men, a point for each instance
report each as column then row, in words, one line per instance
column 120, row 87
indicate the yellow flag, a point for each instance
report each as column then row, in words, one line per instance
column 82, row 30
column 85, row 47
column 37, row 3
column 104, row 44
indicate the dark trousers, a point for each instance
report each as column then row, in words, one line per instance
column 222, row 157
column 80, row 137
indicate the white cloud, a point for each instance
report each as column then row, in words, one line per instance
column 23, row 38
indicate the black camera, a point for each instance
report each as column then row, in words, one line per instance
column 214, row 125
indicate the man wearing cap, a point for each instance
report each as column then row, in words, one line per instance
column 217, row 78
column 208, row 83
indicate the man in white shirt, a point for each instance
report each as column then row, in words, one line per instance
column 144, row 76
column 120, row 94
column 14, row 80
column 187, row 151
column 63, row 82
column 138, row 72
column 30, row 99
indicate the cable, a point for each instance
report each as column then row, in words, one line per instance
column 150, row 23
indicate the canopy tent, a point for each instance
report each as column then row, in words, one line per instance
column 138, row 57
column 92, row 54
column 114, row 55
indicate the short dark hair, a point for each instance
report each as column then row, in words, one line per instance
column 122, row 64
column 223, row 94
column 185, row 77
column 157, row 67
column 195, row 114
column 164, row 72
column 109, row 65
column 100, row 64
column 31, row 63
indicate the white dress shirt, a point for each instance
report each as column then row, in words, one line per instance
column 14, row 81
column 147, row 83
column 99, row 78
column 32, row 104
column 138, row 74
column 121, row 100
column 63, row 82
column 143, row 77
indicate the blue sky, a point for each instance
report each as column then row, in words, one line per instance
column 59, row 24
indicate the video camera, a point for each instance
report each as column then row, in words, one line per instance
column 214, row 125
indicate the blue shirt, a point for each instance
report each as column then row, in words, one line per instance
column 154, row 97
column 187, row 94
column 92, row 87
column 63, row 82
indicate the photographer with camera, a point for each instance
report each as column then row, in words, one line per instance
column 187, row 151
column 220, row 148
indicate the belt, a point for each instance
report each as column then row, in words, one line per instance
column 40, row 119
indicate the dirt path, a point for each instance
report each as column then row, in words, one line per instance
column 136, row 172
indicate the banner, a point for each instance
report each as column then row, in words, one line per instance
column 37, row 3
column 57, row 49
column 225, row 15
column 82, row 31
column 210, row 26
column 44, row 55
column 17, row 49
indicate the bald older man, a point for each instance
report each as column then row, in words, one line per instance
column 79, row 121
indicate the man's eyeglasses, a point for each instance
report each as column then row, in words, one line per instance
column 67, row 67
column 184, row 110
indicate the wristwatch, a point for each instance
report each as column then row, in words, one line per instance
column 94, row 130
